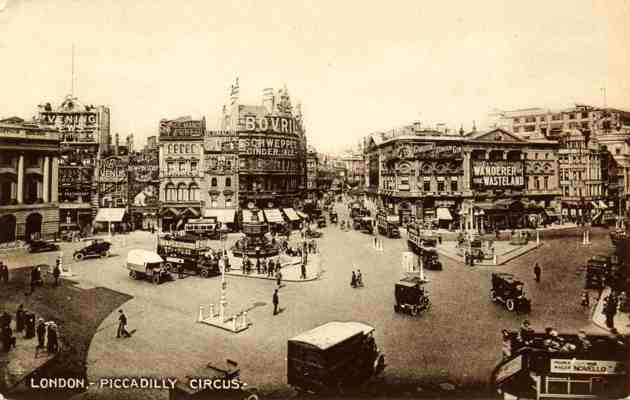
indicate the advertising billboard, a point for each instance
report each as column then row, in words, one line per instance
column 187, row 127
column 112, row 182
column 144, row 179
column 268, row 146
column 75, row 183
column 497, row 174
column 76, row 126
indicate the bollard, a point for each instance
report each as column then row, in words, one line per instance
column 234, row 323
column 537, row 238
column 211, row 310
column 244, row 319
column 495, row 260
column 200, row 318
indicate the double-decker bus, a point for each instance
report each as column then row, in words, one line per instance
column 417, row 238
column 187, row 253
column 568, row 366
column 205, row 227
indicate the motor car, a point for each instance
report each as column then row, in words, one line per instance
column 363, row 224
column 430, row 259
column 97, row 248
column 509, row 291
column 411, row 295
column 40, row 246
column 311, row 234
column 472, row 246
column 143, row 264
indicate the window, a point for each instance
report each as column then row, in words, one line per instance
column 228, row 182
column 454, row 185
column 182, row 148
column 170, row 148
column 193, row 167
column 170, row 167
column 585, row 114
column 572, row 116
column 170, row 192
column 193, row 192
column 182, row 166
column 427, row 186
column 530, row 119
column 214, row 202
column 530, row 128
column 213, row 182
column 535, row 156
column 516, row 120
column 194, row 148
column 440, row 186
column 182, row 192
column 228, row 202
column 556, row 117
column 618, row 151
column 187, row 148
column 546, row 182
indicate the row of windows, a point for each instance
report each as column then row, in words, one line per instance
column 554, row 117
column 182, row 192
column 591, row 190
column 533, row 182
column 181, row 166
column 214, row 182
column 181, row 148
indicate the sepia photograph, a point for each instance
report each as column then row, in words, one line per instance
column 256, row 200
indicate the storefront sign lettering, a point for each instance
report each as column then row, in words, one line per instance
column 434, row 150
column 268, row 146
column 594, row 367
column 112, row 169
column 182, row 128
column 498, row 174
column 75, row 126
column 271, row 124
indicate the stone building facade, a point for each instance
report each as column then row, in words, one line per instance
column 29, row 172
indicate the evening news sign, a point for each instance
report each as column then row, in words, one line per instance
column 271, row 124
column 74, row 126
column 268, row 146
column 593, row 367
column 498, row 174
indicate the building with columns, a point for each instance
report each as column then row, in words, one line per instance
column 437, row 178
column 29, row 172
column 181, row 157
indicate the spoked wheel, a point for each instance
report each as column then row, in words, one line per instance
column 156, row 279
column 493, row 295
column 133, row 274
column 414, row 310
column 168, row 267
column 79, row 256
column 205, row 273
column 510, row 304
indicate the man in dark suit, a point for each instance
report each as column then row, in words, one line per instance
column 122, row 325
column 275, row 302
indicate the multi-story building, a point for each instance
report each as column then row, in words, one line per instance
column 181, row 157
column 83, row 130
column 272, row 149
column 220, row 191
column 354, row 165
column 144, row 188
column 552, row 123
column 311, row 173
column 436, row 177
column 617, row 145
column 583, row 177
column 29, row 171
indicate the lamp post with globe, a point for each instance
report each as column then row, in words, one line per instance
column 223, row 302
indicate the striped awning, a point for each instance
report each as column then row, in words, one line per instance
column 110, row 215
column 221, row 214
column 274, row 215
column 444, row 213
column 247, row 216
column 291, row 214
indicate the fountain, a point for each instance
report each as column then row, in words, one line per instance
column 255, row 244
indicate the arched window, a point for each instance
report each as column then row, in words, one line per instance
column 182, row 192
column 194, row 148
column 193, row 192
column 174, row 148
column 181, row 148
column 187, row 148
column 169, row 192
column 170, row 148
column 228, row 182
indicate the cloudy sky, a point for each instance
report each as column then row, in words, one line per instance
column 356, row 66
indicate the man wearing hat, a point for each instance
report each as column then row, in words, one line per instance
column 527, row 333
column 41, row 333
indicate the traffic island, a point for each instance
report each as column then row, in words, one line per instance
column 291, row 271
column 503, row 250
column 621, row 320
column 235, row 324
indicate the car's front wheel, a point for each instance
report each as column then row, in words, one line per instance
column 493, row 295
column 510, row 304
column 133, row 274
column 79, row 256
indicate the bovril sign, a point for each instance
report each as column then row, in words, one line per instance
column 272, row 124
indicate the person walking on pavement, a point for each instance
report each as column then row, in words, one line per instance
column 276, row 301
column 586, row 302
column 303, row 268
column 4, row 272
column 610, row 310
column 279, row 278
column 537, row 272
column 53, row 338
column 122, row 325
column 353, row 280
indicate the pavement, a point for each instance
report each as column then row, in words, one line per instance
column 504, row 251
column 430, row 350
column 621, row 319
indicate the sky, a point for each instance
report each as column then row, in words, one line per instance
column 357, row 67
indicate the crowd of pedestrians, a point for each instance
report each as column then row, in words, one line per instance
column 47, row 332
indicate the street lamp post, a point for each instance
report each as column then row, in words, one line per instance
column 223, row 301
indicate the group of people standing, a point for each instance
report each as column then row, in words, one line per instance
column 47, row 332
column 357, row 279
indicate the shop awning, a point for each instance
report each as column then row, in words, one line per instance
column 225, row 215
column 444, row 213
column 274, row 215
column 291, row 214
column 171, row 210
column 110, row 215
column 302, row 215
column 247, row 216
